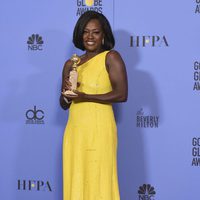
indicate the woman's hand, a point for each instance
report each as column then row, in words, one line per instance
column 67, row 85
column 80, row 96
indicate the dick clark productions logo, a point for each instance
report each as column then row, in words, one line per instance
column 35, row 42
column 34, row 116
column 146, row 192
column 85, row 5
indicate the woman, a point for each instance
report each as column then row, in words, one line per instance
column 90, row 138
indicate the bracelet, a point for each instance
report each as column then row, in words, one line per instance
column 67, row 101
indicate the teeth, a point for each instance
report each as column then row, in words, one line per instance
column 90, row 43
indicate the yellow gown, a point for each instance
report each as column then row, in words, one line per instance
column 90, row 140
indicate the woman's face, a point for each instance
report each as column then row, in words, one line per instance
column 93, row 36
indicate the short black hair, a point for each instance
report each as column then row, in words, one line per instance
column 109, row 41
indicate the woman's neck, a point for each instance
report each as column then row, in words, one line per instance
column 90, row 54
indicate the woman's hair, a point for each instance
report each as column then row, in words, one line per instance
column 109, row 41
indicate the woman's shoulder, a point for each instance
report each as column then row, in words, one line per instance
column 112, row 54
column 67, row 66
column 68, row 63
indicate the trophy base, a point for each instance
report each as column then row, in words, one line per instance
column 70, row 93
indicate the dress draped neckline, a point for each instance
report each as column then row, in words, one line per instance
column 91, row 58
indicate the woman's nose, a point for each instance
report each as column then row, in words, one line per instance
column 90, row 35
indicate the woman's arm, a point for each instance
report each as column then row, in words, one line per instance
column 65, row 77
column 118, row 78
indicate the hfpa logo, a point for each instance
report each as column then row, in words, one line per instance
column 33, row 185
column 149, row 41
column 146, row 192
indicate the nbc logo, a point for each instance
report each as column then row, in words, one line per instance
column 146, row 192
column 35, row 42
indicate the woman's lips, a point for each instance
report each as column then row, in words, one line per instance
column 90, row 43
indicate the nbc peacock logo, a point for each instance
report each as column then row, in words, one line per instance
column 85, row 5
column 146, row 192
column 35, row 42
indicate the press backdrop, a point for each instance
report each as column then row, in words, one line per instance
column 158, row 128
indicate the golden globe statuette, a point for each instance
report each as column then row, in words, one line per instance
column 73, row 76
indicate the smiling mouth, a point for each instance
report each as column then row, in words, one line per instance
column 90, row 43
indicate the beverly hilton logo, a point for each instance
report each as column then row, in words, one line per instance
column 34, row 185
column 197, row 7
column 146, row 192
column 34, row 116
column 35, row 42
column 146, row 121
column 149, row 41
column 196, row 76
column 85, row 5
column 195, row 151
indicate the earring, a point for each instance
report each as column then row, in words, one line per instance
column 102, row 41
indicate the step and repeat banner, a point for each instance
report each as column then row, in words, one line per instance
column 158, row 127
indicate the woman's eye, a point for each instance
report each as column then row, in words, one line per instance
column 93, row 32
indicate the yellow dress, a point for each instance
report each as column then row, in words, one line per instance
column 90, row 140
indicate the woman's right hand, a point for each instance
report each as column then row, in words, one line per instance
column 67, row 85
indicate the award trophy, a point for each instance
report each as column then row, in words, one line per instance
column 73, row 76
